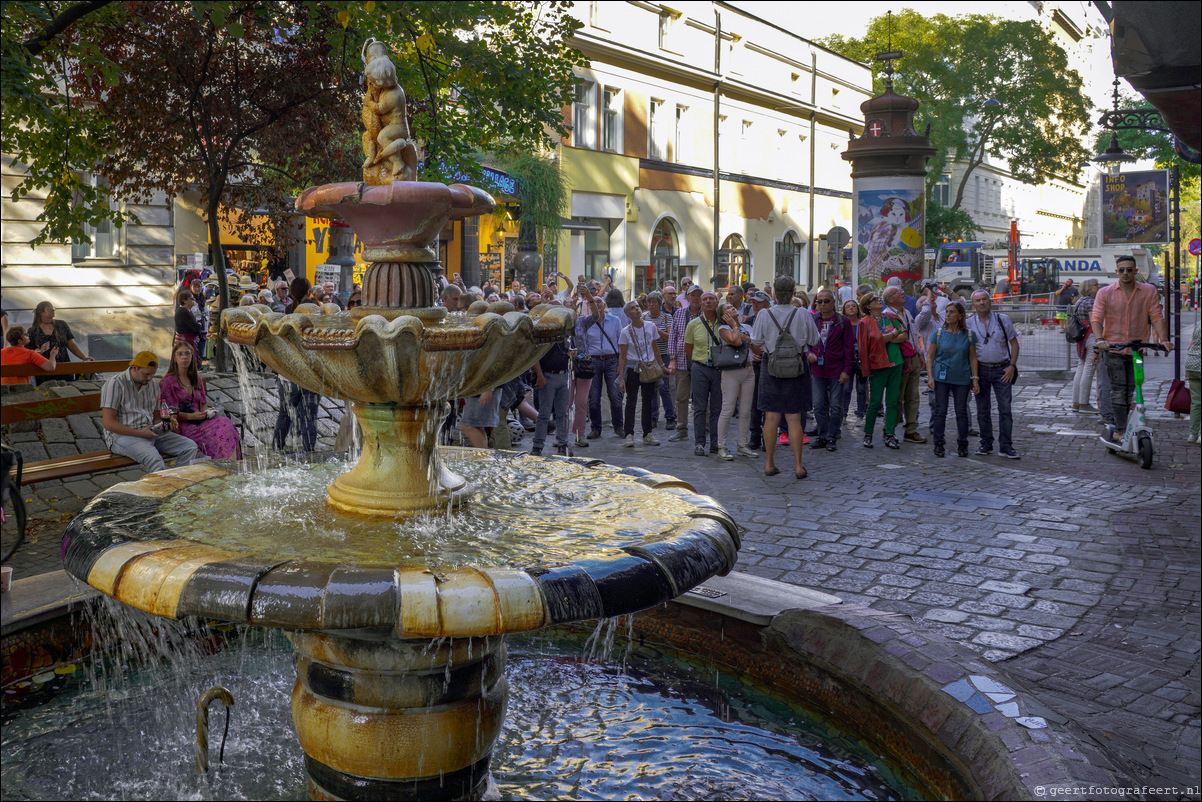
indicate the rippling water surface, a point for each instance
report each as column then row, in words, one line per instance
column 621, row 728
column 524, row 512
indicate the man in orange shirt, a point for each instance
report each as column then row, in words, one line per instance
column 1121, row 313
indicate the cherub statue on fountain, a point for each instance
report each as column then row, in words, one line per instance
column 389, row 153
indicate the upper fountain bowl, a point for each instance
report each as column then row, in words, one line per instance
column 396, row 222
column 400, row 361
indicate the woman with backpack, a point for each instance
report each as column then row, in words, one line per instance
column 952, row 372
column 784, row 332
column 881, row 361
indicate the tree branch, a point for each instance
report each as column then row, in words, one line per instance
column 72, row 14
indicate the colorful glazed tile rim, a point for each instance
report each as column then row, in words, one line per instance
column 983, row 695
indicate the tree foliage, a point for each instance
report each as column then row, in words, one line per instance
column 177, row 92
column 952, row 65
column 943, row 223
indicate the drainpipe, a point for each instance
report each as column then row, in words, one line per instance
column 813, row 159
column 717, row 116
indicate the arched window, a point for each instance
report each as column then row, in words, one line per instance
column 788, row 256
column 665, row 259
column 734, row 263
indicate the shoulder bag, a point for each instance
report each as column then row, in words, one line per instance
column 723, row 355
column 648, row 371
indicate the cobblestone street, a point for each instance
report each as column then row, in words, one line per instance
column 1075, row 570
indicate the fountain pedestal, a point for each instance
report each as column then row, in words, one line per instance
column 370, row 708
column 398, row 472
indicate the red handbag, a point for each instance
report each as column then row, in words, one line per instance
column 1179, row 398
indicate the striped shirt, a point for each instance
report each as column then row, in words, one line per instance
column 680, row 322
column 135, row 406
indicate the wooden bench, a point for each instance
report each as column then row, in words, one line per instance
column 52, row 407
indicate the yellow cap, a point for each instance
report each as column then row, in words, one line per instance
column 145, row 359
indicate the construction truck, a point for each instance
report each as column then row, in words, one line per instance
column 968, row 266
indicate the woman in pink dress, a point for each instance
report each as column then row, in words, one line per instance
column 182, row 390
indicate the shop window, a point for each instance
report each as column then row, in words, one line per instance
column 734, row 263
column 584, row 116
column 596, row 247
column 665, row 260
column 103, row 236
column 788, row 256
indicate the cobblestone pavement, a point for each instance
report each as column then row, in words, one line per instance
column 1075, row 569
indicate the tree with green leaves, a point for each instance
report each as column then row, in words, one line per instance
column 954, row 65
column 952, row 225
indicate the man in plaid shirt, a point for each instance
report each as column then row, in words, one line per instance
column 678, row 366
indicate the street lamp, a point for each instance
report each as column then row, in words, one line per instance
column 1114, row 156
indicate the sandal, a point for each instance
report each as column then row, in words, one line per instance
column 772, row 472
column 804, row 473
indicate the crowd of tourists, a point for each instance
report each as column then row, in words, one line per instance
column 792, row 371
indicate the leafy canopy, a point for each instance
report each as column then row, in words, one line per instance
column 952, row 65
column 258, row 100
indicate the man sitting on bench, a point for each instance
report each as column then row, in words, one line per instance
column 129, row 405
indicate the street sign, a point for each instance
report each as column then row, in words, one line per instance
column 1195, row 247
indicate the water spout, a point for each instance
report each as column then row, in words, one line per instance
column 202, row 726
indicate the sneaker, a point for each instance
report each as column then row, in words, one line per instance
column 811, row 433
column 649, row 440
column 562, row 451
column 699, row 451
column 581, row 442
column 819, row 443
column 891, row 442
column 678, row 435
column 1009, row 453
column 1086, row 409
column 671, row 424
column 867, row 441
column 594, row 434
column 630, row 441
column 755, row 445
column 783, row 440
column 984, row 451
column 831, row 446
column 973, row 432
column 744, row 451
column 940, row 452
column 528, row 424
column 535, row 451
column 961, row 451
column 618, row 433
column 724, row 454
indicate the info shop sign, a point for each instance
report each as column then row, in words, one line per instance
column 1135, row 208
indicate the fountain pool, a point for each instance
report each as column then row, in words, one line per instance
column 639, row 723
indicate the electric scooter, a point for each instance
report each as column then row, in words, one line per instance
column 1137, row 440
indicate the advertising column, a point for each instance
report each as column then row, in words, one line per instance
column 890, row 221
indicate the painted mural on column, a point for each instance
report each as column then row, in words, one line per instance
column 890, row 216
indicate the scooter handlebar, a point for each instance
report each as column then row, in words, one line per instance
column 1138, row 345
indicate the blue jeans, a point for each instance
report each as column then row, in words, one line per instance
column 707, row 403
column 828, row 406
column 552, row 400
column 939, row 397
column 605, row 370
column 663, row 397
column 295, row 397
column 991, row 382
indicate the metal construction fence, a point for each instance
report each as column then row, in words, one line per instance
column 1041, row 342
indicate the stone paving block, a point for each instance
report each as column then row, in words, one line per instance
column 946, row 616
column 83, row 426
column 1003, row 640
column 14, row 437
column 1067, row 596
column 1015, row 588
column 1009, row 601
column 33, row 451
column 57, row 450
column 990, row 623
column 56, row 430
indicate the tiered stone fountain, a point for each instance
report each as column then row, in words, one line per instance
column 401, row 691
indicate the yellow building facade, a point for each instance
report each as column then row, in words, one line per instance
column 676, row 94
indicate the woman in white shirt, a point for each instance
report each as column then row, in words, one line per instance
column 637, row 345
column 738, row 384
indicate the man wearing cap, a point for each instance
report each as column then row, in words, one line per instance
column 129, row 408
column 678, row 363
